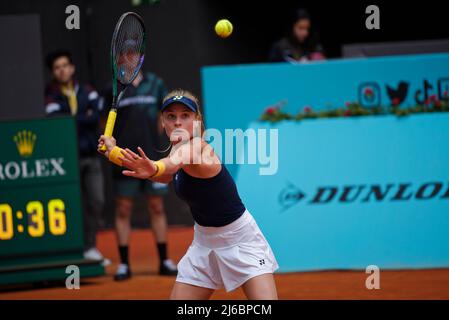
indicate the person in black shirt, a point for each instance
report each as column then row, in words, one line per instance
column 66, row 96
column 301, row 44
column 137, row 124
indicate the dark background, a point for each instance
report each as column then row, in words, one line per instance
column 182, row 40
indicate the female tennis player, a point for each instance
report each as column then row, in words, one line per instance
column 228, row 249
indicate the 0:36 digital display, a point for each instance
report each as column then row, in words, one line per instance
column 35, row 219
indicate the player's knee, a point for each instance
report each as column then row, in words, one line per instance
column 156, row 207
column 123, row 214
column 123, row 211
column 156, row 210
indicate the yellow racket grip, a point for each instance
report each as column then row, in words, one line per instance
column 109, row 126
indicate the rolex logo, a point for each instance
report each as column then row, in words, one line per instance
column 25, row 141
column 177, row 97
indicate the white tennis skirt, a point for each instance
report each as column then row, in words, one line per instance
column 226, row 256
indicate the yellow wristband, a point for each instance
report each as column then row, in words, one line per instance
column 160, row 168
column 114, row 155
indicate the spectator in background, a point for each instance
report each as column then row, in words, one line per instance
column 301, row 44
column 139, row 108
column 66, row 96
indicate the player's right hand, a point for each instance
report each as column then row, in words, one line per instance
column 109, row 142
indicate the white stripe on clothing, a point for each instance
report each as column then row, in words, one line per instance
column 52, row 107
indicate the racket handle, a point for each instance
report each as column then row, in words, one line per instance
column 109, row 126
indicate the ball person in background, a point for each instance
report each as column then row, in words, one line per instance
column 66, row 96
column 228, row 248
column 301, row 43
column 137, row 125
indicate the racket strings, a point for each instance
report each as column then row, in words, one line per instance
column 129, row 49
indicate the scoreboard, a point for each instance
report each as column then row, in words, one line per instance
column 41, row 229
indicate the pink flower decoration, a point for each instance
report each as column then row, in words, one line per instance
column 307, row 109
column 270, row 110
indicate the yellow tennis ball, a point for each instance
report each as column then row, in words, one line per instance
column 223, row 28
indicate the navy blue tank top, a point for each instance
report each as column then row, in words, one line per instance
column 214, row 202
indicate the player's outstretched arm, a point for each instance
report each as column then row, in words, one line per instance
column 140, row 166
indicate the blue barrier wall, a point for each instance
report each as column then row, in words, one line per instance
column 351, row 192
column 236, row 95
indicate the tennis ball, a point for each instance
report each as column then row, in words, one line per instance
column 223, row 28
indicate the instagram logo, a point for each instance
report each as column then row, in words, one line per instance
column 369, row 95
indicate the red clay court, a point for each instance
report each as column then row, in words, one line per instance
column 146, row 284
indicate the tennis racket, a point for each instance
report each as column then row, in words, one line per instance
column 127, row 55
